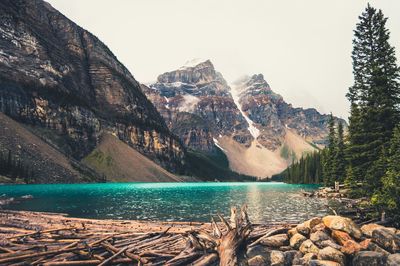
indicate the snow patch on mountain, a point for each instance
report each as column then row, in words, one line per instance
column 193, row 63
column 255, row 132
column 218, row 145
column 188, row 104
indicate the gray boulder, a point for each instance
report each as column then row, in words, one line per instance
column 387, row 239
column 296, row 240
column 257, row 261
column 277, row 258
column 369, row 258
column 393, row 260
column 332, row 254
column 276, row 241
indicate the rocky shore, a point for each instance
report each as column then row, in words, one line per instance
column 329, row 241
column 54, row 239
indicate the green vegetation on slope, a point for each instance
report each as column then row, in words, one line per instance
column 15, row 168
column 213, row 167
column 307, row 170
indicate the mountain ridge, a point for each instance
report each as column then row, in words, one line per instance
column 262, row 119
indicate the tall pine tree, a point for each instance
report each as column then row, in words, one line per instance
column 374, row 96
column 340, row 161
column 329, row 166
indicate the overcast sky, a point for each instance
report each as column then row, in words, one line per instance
column 303, row 47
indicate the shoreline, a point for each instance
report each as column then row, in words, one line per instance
column 57, row 239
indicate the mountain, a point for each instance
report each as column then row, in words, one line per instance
column 255, row 128
column 64, row 83
column 202, row 91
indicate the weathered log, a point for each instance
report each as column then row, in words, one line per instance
column 86, row 262
column 127, row 253
column 107, row 261
column 206, row 260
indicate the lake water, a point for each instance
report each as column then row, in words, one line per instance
column 267, row 202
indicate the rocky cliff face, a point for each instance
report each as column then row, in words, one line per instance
column 259, row 132
column 271, row 115
column 197, row 88
column 58, row 76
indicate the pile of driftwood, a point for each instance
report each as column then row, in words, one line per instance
column 31, row 238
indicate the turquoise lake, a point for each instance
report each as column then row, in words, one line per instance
column 267, row 202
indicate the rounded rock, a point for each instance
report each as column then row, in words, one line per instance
column 308, row 247
column 332, row 254
column 296, row 240
column 342, row 224
column 257, row 261
column 369, row 258
column 393, row 260
column 277, row 258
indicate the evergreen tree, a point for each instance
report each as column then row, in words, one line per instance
column 388, row 196
column 307, row 170
column 375, row 95
column 340, row 161
column 329, row 166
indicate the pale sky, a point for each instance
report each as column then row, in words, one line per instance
column 303, row 48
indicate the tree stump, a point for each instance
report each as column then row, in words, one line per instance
column 230, row 243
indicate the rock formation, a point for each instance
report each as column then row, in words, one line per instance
column 57, row 76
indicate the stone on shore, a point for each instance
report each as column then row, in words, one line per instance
column 292, row 257
column 308, row 247
column 341, row 237
column 276, row 241
column 296, row 240
column 319, row 236
column 323, row 263
column 258, row 250
column 330, row 243
column 313, row 222
column 342, row 224
column 319, row 227
column 277, row 258
column 303, row 229
column 257, row 261
column 387, row 239
column 374, row 247
column 307, row 258
column 393, row 260
column 367, row 229
column 350, row 247
column 332, row 254
column 292, row 232
column 369, row 258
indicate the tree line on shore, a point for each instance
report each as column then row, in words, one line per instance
column 367, row 156
column 15, row 168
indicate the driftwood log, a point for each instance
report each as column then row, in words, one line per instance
column 31, row 238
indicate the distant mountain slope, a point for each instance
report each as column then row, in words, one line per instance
column 258, row 131
column 48, row 164
column 59, row 77
column 121, row 163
